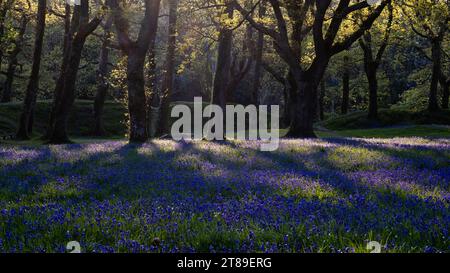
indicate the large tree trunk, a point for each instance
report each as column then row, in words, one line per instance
column 167, row 84
column 59, row 86
column 136, row 97
column 136, row 52
column 436, row 58
column 345, row 87
column 26, row 120
column 82, row 29
column 59, row 128
column 305, row 100
column 304, row 112
column 103, row 86
column 12, row 60
column 222, row 76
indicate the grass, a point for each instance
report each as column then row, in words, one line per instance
column 413, row 131
column 387, row 118
column 427, row 131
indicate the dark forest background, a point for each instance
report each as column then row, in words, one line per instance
column 317, row 59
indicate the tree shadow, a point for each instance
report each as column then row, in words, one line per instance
column 244, row 199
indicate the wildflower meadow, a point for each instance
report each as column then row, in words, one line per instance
column 327, row 195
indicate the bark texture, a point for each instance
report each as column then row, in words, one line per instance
column 26, row 118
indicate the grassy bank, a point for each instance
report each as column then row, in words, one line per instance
column 392, row 123
column 387, row 118
column 80, row 121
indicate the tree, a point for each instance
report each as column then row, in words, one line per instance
column 81, row 27
column 326, row 17
column 169, row 73
column 223, row 66
column 445, row 84
column 444, row 79
column 321, row 100
column 345, row 86
column 136, row 52
column 281, row 79
column 69, row 29
column 240, row 64
column 258, row 59
column 429, row 19
column 154, row 101
column 26, row 118
column 4, row 8
column 233, row 63
column 102, row 74
column 17, row 46
column 372, row 60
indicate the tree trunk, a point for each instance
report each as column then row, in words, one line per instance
column 292, row 98
column 167, row 84
column 321, row 100
column 81, row 27
column 258, row 68
column 286, row 109
column 154, row 102
column 136, row 52
column 436, row 58
column 3, row 12
column 136, row 97
column 371, row 63
column 371, row 74
column 305, row 100
column 445, row 94
column 7, row 85
column 303, row 114
column 26, row 120
column 59, row 86
column 12, row 62
column 345, row 87
column 2, row 33
column 103, row 86
column 222, row 76
column 258, row 59
column 59, row 129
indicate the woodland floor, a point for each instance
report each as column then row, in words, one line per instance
column 326, row 195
